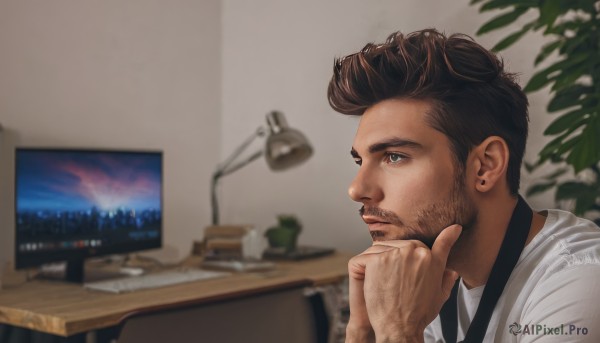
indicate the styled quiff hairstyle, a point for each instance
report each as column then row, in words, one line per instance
column 471, row 95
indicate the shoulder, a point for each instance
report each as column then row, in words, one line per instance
column 567, row 254
column 562, row 274
column 565, row 241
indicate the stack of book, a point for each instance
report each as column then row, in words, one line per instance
column 225, row 242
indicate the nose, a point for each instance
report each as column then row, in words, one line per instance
column 364, row 187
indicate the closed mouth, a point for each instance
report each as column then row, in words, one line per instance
column 373, row 220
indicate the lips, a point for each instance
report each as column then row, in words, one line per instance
column 374, row 220
column 375, row 224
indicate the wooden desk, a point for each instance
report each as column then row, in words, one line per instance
column 66, row 309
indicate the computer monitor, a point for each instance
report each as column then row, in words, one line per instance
column 71, row 204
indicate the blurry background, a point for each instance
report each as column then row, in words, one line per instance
column 195, row 78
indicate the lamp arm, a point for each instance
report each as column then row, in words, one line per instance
column 240, row 165
column 226, row 168
column 219, row 174
column 260, row 131
column 213, row 199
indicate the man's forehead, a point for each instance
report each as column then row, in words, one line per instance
column 390, row 120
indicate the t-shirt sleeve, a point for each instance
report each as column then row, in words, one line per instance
column 564, row 308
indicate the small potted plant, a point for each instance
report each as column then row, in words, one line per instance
column 285, row 235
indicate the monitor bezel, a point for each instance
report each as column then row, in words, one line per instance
column 37, row 259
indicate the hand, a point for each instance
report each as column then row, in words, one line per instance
column 359, row 328
column 405, row 284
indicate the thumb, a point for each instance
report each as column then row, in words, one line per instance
column 444, row 242
column 448, row 281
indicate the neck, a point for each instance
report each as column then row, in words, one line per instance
column 475, row 253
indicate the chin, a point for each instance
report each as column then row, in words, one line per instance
column 379, row 236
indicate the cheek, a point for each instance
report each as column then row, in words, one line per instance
column 438, row 176
column 415, row 187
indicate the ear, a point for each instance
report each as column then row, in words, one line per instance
column 490, row 161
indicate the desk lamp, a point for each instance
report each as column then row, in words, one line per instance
column 284, row 148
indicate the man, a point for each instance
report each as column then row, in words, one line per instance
column 439, row 148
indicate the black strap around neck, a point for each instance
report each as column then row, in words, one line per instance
column 510, row 250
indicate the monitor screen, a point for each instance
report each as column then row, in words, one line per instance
column 71, row 204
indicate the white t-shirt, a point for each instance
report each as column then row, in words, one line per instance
column 552, row 295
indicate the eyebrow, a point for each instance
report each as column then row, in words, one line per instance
column 389, row 143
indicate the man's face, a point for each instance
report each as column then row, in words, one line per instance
column 408, row 182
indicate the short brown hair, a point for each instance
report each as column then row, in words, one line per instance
column 471, row 94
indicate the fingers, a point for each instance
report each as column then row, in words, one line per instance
column 358, row 306
column 399, row 243
column 444, row 242
column 377, row 248
column 357, row 264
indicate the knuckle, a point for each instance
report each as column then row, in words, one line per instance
column 413, row 243
column 422, row 253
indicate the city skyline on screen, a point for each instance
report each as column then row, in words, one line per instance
column 70, row 180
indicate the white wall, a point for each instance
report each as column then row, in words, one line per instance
column 140, row 74
column 157, row 74
column 279, row 55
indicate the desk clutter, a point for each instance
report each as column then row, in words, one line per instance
column 232, row 247
column 243, row 247
column 298, row 253
column 231, row 242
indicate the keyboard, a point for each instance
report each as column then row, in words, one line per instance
column 154, row 280
column 239, row 266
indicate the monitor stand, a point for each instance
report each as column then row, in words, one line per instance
column 75, row 271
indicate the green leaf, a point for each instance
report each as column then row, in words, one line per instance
column 568, row 97
column 585, row 201
column 499, row 4
column 562, row 102
column 576, row 42
column 588, row 6
column 532, row 166
column 566, row 25
column 552, row 145
column 556, row 147
column 587, row 151
column 541, row 78
column 549, row 11
column 501, row 20
column 584, row 5
column 570, row 190
column 568, row 145
column 585, row 195
column 539, row 188
column 537, row 81
column 547, row 50
column 512, row 38
column 557, row 173
column 565, row 121
column 568, row 76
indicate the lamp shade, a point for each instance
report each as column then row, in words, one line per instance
column 285, row 147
